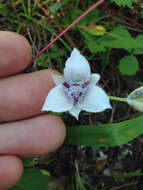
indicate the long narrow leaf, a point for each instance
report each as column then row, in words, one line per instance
column 106, row 134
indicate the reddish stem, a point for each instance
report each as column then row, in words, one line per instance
column 66, row 29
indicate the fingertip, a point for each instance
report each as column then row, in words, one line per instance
column 50, row 132
column 11, row 169
column 15, row 53
column 58, row 131
column 32, row 137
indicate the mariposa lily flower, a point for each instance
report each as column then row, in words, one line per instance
column 77, row 89
column 135, row 99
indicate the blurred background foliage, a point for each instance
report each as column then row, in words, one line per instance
column 111, row 38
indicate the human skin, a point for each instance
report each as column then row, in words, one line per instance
column 25, row 131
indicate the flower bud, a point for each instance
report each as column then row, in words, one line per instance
column 96, row 30
column 135, row 99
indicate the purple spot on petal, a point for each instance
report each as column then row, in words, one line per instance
column 75, row 84
column 75, row 100
column 85, row 84
column 65, row 84
column 80, row 94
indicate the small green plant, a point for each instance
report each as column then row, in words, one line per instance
column 129, row 65
column 33, row 179
column 124, row 2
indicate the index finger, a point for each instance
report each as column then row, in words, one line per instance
column 15, row 53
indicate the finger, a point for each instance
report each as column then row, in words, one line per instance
column 36, row 136
column 22, row 96
column 15, row 53
column 10, row 171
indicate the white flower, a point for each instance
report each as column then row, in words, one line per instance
column 135, row 99
column 77, row 89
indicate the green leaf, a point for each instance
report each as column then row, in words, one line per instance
column 121, row 38
column 91, row 18
column 94, row 47
column 124, row 2
column 27, row 161
column 73, row 14
column 129, row 65
column 117, row 34
column 92, row 43
column 121, row 32
column 56, row 6
column 32, row 179
column 3, row 9
column 138, row 52
column 139, row 40
column 134, row 173
column 87, row 36
column 124, row 43
column 106, row 134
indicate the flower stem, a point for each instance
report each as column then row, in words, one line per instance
column 118, row 99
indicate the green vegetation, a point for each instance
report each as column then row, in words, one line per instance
column 111, row 37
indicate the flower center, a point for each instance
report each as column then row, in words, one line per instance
column 75, row 91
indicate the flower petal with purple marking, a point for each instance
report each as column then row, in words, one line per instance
column 77, row 89
column 57, row 101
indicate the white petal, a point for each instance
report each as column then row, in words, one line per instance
column 75, row 112
column 137, row 105
column 135, row 99
column 95, row 78
column 57, row 101
column 58, row 79
column 96, row 100
column 77, row 67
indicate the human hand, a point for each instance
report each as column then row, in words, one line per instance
column 24, row 130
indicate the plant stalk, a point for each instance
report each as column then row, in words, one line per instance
column 118, row 99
